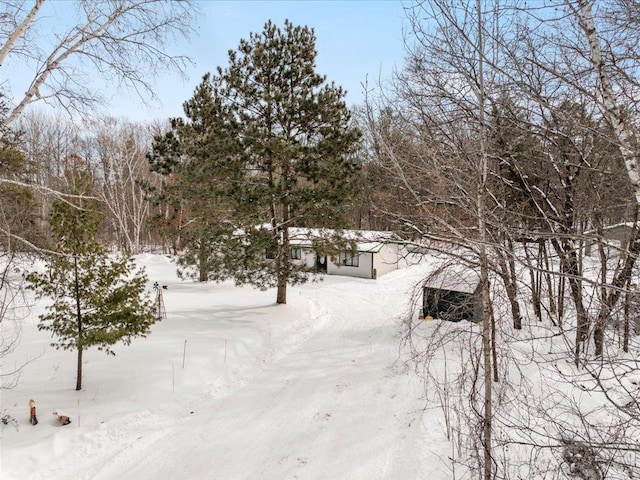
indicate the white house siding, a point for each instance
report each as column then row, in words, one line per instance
column 386, row 260
column 363, row 270
column 378, row 252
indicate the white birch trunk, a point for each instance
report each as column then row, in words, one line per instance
column 605, row 87
column 121, row 153
column 19, row 31
column 128, row 38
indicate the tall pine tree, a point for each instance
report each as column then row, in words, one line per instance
column 296, row 142
column 197, row 156
column 97, row 300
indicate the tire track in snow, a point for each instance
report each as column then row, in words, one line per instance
column 334, row 389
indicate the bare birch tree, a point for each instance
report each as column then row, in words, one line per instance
column 118, row 150
column 125, row 41
column 428, row 137
column 604, row 68
column 433, row 141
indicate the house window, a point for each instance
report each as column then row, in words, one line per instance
column 296, row 253
column 270, row 253
column 349, row 259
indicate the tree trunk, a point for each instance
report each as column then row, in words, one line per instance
column 79, row 370
column 539, row 275
column 572, row 269
column 80, row 337
column 494, row 349
column 626, row 325
column 487, row 427
column 535, row 295
column 598, row 330
column 282, row 290
column 605, row 310
column 203, row 271
column 487, row 324
column 561, row 288
column 549, row 282
column 510, row 286
column 283, row 260
column 582, row 331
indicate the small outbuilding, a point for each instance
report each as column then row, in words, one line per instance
column 453, row 293
column 618, row 237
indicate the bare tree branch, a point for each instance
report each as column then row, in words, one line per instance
column 125, row 40
column 19, row 31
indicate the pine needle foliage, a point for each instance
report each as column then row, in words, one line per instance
column 267, row 144
column 196, row 157
column 98, row 300
column 298, row 145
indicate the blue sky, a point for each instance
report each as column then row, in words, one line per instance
column 356, row 40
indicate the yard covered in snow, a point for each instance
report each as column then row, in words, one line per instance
column 232, row 386
column 318, row 388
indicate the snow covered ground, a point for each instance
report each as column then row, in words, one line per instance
column 232, row 386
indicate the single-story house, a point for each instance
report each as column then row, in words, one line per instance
column 452, row 293
column 376, row 252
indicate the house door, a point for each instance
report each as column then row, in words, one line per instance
column 321, row 264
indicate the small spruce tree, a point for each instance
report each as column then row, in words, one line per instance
column 98, row 300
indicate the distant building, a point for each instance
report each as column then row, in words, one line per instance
column 617, row 236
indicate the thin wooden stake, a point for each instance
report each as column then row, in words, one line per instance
column 184, row 353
